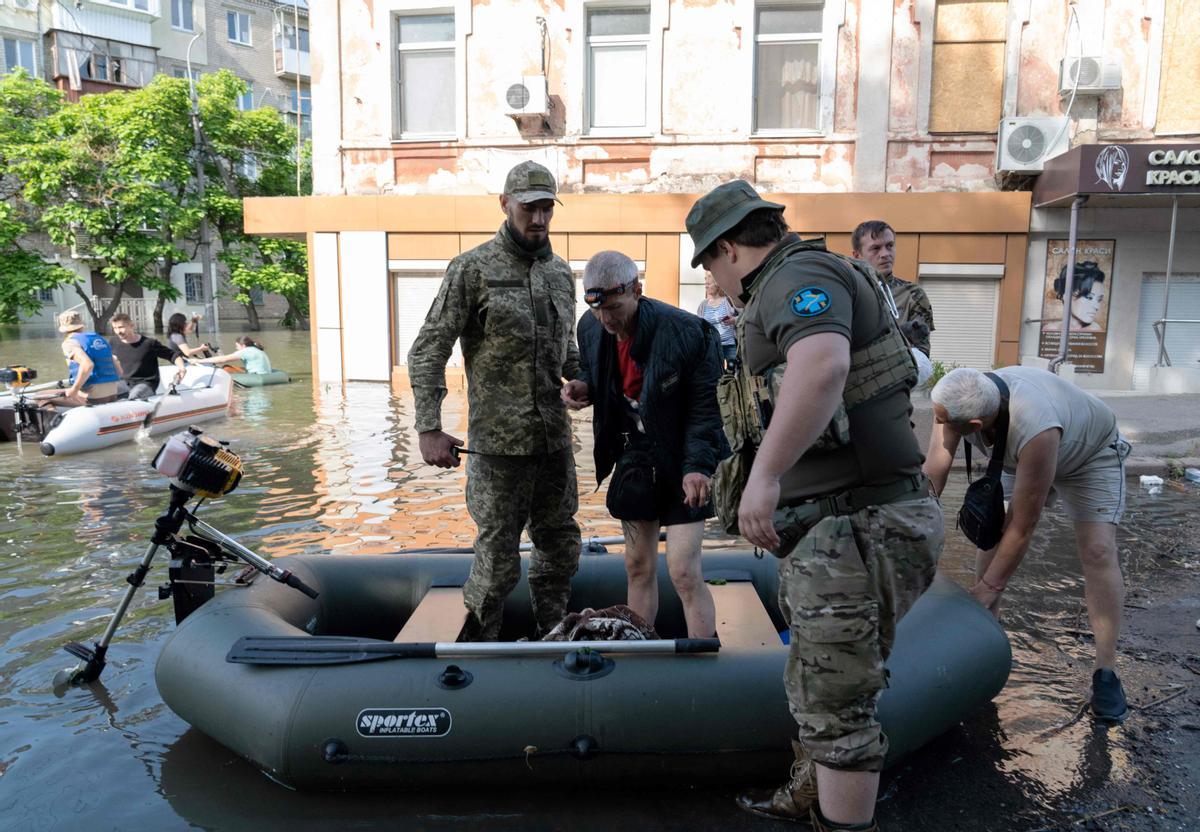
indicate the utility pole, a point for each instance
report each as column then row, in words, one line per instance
column 299, row 100
column 206, row 265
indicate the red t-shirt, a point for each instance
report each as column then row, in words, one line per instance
column 631, row 374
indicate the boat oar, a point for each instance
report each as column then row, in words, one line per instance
column 310, row 650
column 149, row 420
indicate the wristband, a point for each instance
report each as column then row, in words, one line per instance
column 992, row 587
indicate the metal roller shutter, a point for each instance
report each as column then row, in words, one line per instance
column 1183, row 340
column 414, row 294
column 964, row 312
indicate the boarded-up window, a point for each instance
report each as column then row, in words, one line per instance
column 1178, row 104
column 968, row 66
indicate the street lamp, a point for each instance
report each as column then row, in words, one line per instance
column 205, row 235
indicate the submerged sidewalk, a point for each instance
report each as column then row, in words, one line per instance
column 1164, row 430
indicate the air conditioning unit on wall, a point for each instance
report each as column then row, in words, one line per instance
column 1092, row 74
column 526, row 97
column 1024, row 144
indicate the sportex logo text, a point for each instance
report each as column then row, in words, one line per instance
column 404, row 722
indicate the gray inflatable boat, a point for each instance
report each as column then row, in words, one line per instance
column 572, row 714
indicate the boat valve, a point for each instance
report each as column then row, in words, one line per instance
column 584, row 664
column 454, row 677
column 335, row 751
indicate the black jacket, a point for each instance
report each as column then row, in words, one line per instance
column 680, row 357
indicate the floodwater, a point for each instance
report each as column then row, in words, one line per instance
column 337, row 471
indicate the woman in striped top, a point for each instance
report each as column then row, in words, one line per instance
column 721, row 313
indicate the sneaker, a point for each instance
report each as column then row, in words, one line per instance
column 1108, row 697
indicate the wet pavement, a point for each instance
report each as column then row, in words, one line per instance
column 338, row 472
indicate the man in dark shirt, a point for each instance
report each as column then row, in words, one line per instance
column 137, row 358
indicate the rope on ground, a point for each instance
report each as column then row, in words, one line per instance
column 1079, row 712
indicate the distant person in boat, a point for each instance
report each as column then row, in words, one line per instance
column 249, row 352
column 179, row 327
column 1061, row 441
column 649, row 371
column 93, row 373
column 510, row 303
column 137, row 356
column 826, row 475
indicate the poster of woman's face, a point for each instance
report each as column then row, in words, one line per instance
column 1089, row 291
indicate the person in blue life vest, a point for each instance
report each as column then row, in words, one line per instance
column 93, row 373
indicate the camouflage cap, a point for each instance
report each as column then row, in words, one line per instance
column 720, row 210
column 70, row 321
column 529, row 182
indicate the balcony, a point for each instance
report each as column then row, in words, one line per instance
column 85, row 64
column 290, row 63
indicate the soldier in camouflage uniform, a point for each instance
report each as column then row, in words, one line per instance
column 826, row 474
column 874, row 242
column 511, row 304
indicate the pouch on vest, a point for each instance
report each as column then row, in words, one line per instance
column 792, row 524
column 728, row 483
column 981, row 517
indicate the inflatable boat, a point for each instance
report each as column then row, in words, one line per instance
column 202, row 394
column 261, row 379
column 366, row 686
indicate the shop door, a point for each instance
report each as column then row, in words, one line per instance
column 964, row 312
column 1183, row 340
column 412, row 295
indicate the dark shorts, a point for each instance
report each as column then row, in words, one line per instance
column 672, row 511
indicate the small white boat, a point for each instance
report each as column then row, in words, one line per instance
column 203, row 394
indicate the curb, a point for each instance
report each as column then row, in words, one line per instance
column 1135, row 466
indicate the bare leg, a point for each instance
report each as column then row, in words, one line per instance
column 683, row 563
column 1103, row 586
column 847, row 796
column 641, row 567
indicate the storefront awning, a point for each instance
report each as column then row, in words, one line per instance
column 1121, row 174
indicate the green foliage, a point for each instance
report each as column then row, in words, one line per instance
column 939, row 370
column 119, row 168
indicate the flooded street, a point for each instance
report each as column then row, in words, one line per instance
column 340, row 473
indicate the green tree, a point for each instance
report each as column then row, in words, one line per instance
column 25, row 104
column 113, row 167
column 253, row 153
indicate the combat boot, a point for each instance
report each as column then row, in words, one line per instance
column 791, row 801
column 820, row 824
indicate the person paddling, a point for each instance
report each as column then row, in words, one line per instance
column 251, row 353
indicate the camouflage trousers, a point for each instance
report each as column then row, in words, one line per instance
column 506, row 494
column 843, row 589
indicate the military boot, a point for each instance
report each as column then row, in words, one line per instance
column 791, row 801
column 820, row 824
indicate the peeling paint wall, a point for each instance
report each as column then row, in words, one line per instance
column 700, row 97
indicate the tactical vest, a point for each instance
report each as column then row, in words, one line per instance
column 747, row 400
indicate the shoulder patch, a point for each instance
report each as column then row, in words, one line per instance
column 810, row 302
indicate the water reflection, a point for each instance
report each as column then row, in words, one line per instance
column 338, row 471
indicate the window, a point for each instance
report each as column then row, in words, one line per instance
column 303, row 103
column 140, row 5
column 617, row 41
column 968, row 66
column 425, row 75
column 97, row 59
column 238, row 24
column 287, row 37
column 193, row 287
column 181, row 72
column 249, row 167
column 256, row 296
column 787, row 68
column 18, row 54
column 181, row 15
column 245, row 101
column 45, row 295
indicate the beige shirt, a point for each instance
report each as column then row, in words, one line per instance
column 1040, row 400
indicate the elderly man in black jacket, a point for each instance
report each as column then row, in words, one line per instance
column 650, row 372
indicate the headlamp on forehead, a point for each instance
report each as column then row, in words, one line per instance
column 595, row 297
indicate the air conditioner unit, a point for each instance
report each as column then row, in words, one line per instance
column 1026, row 143
column 1092, row 74
column 526, row 97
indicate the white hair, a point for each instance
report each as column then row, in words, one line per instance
column 966, row 394
column 608, row 270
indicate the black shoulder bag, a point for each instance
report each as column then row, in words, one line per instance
column 633, row 489
column 981, row 517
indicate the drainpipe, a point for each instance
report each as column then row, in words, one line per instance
column 1064, row 340
column 1162, row 332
